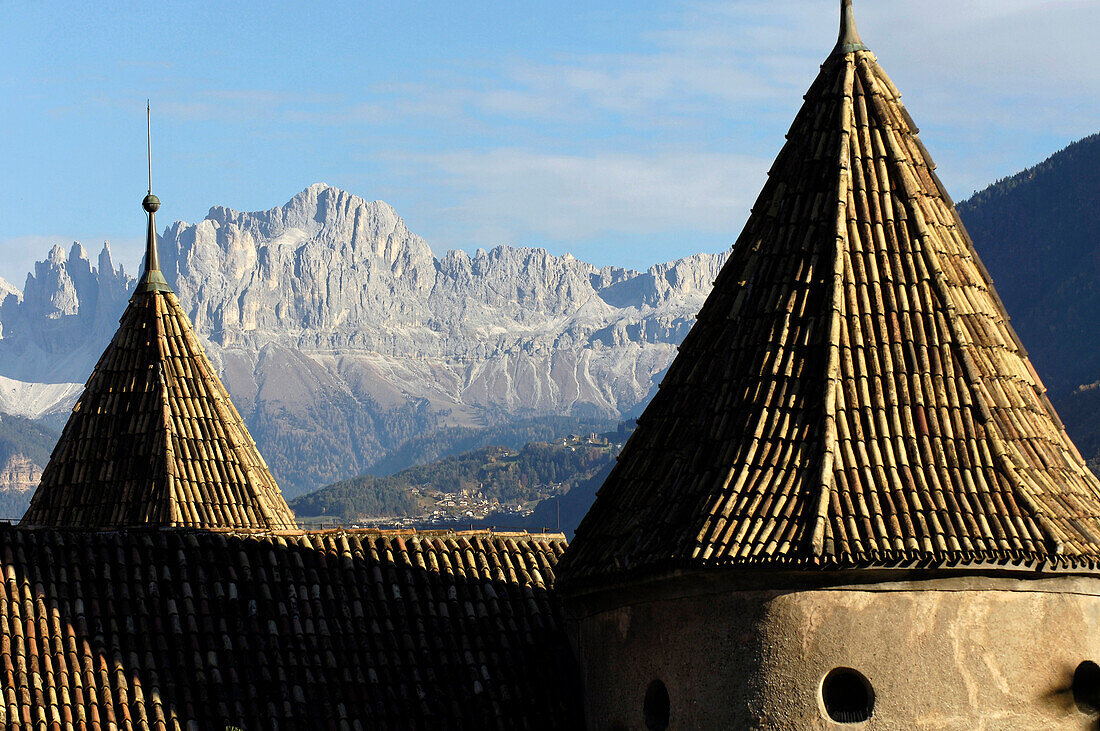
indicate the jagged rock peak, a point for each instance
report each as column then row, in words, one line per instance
column 315, row 209
column 106, row 262
column 7, row 288
column 56, row 255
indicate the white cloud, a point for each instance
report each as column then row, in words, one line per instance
column 990, row 81
column 515, row 195
column 675, row 136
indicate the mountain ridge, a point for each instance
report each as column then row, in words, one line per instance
column 1035, row 232
column 327, row 315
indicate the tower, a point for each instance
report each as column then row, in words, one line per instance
column 154, row 439
column 851, row 501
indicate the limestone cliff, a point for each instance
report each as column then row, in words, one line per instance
column 340, row 334
column 18, row 475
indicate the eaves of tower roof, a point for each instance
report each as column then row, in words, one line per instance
column 852, row 393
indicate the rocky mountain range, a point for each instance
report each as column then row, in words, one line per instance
column 350, row 347
column 340, row 334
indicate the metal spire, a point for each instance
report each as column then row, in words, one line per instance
column 149, row 143
column 151, row 279
column 849, row 39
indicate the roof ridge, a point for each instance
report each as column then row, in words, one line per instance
column 829, row 442
column 938, row 443
column 171, row 508
column 229, row 418
column 960, row 229
column 150, row 441
column 155, row 440
column 960, row 339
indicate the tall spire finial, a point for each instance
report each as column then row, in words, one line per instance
column 849, row 40
column 149, row 143
column 151, row 279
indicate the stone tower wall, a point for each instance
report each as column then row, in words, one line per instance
column 968, row 652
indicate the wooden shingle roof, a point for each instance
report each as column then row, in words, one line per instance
column 852, row 393
column 365, row 629
column 154, row 439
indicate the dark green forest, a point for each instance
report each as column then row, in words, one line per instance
column 494, row 472
column 20, row 436
column 1038, row 233
column 513, row 434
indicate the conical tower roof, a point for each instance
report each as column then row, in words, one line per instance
column 852, row 393
column 154, row 439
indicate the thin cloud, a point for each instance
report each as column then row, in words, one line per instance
column 525, row 194
column 672, row 135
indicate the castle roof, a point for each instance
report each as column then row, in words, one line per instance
column 154, row 438
column 334, row 629
column 852, row 393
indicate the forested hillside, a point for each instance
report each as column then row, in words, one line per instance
column 448, row 441
column 19, row 436
column 472, row 485
column 1038, row 233
column 24, row 450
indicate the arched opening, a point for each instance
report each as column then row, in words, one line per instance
column 1086, row 687
column 656, row 706
column 847, row 695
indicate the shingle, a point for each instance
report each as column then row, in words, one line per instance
column 155, row 439
column 218, row 629
column 916, row 431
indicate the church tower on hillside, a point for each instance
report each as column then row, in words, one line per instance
column 154, row 439
column 851, row 501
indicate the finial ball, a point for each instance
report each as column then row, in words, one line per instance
column 151, row 203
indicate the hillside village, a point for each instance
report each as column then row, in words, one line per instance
column 494, row 485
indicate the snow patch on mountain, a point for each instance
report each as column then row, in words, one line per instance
column 36, row 400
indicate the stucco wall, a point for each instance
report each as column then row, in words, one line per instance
column 966, row 653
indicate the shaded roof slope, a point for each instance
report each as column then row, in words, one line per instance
column 852, row 393
column 340, row 629
column 154, row 439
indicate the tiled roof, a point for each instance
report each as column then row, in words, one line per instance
column 852, row 393
column 169, row 629
column 154, row 438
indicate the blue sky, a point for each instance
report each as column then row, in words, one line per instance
column 624, row 132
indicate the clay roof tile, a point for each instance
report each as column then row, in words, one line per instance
column 852, row 393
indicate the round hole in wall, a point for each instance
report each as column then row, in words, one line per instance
column 1086, row 687
column 656, row 708
column 848, row 696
